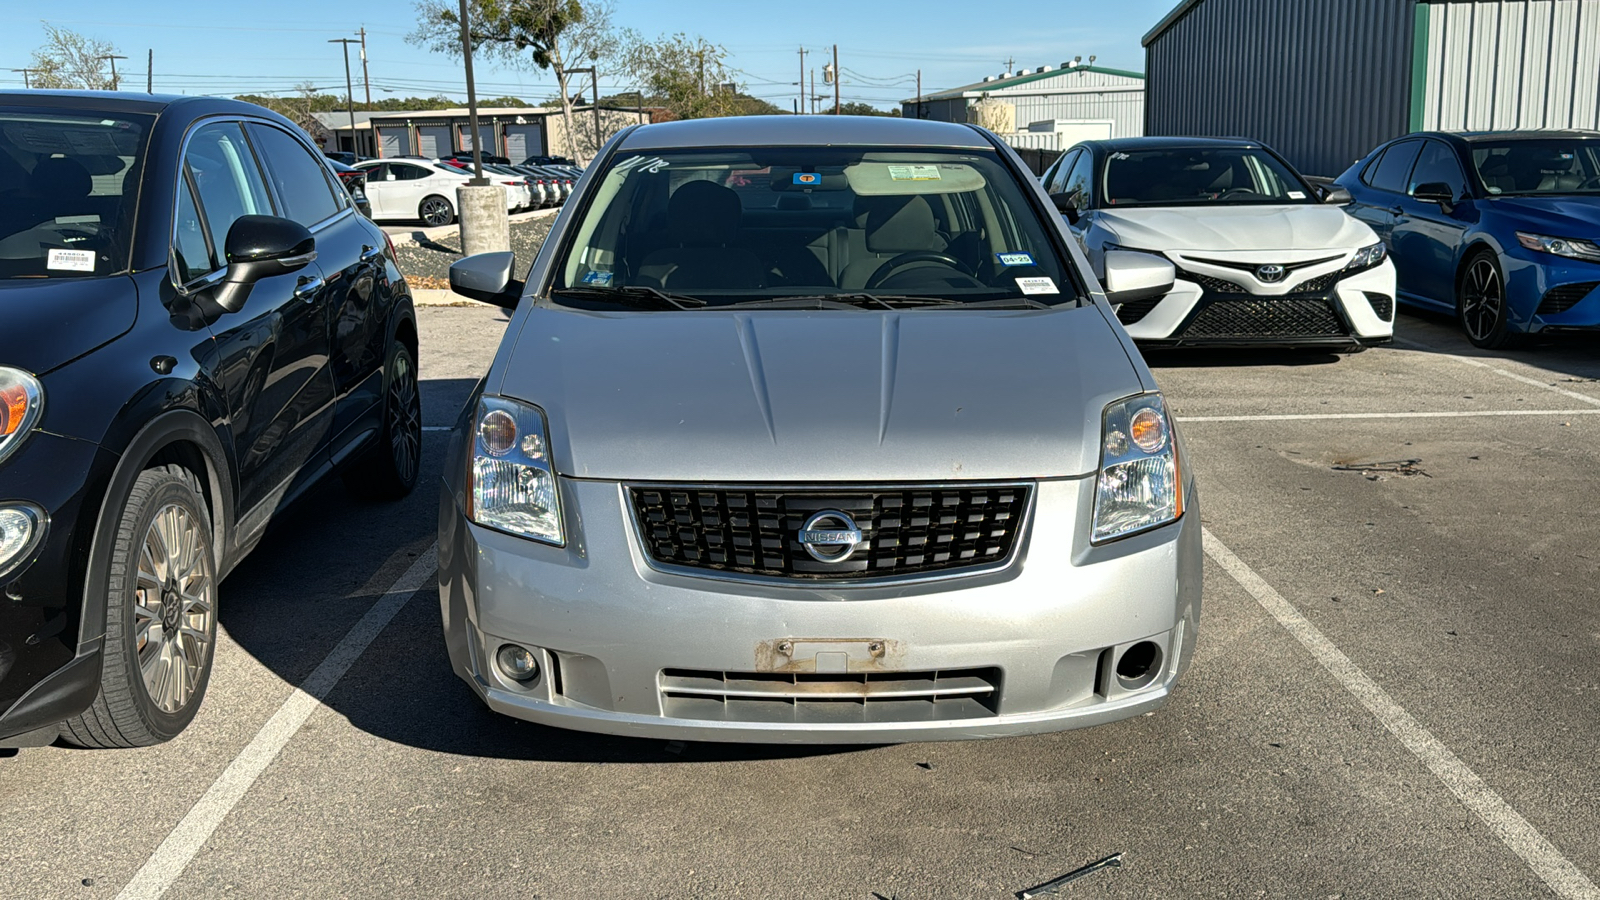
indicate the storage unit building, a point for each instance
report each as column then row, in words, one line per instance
column 1324, row 82
column 1074, row 99
column 515, row 133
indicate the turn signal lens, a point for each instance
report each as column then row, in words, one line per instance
column 498, row 432
column 21, row 402
column 1149, row 430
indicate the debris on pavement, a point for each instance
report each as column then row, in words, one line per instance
column 1375, row 471
column 1055, row 884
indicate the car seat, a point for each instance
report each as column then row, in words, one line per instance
column 702, row 227
column 891, row 225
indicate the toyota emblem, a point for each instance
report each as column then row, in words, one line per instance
column 1270, row 273
column 830, row 536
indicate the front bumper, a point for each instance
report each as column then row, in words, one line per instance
column 612, row 634
column 1551, row 294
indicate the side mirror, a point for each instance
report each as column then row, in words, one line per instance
column 1131, row 276
column 1067, row 205
column 1436, row 192
column 258, row 247
column 487, row 277
column 1336, row 195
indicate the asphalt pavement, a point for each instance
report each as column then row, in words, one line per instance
column 1394, row 694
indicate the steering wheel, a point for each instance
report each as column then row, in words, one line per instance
column 1591, row 182
column 916, row 256
column 1232, row 191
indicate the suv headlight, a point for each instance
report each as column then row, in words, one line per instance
column 21, row 402
column 513, row 485
column 1572, row 248
column 1138, row 487
column 1367, row 258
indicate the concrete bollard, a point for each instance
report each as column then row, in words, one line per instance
column 484, row 225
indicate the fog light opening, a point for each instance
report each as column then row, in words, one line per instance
column 517, row 663
column 1139, row 665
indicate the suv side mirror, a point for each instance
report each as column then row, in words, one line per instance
column 487, row 277
column 1132, row 276
column 1436, row 192
column 258, row 247
column 1067, row 205
column 1336, row 195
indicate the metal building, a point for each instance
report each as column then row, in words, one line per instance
column 1324, row 81
column 1050, row 106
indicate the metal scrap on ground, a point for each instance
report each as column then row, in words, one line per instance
column 1055, row 884
column 1395, row 467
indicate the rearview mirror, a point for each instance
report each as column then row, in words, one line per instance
column 1336, row 195
column 1067, row 205
column 487, row 277
column 258, row 247
column 1131, row 276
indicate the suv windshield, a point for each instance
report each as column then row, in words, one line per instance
column 1221, row 175
column 69, row 181
column 1542, row 166
column 726, row 226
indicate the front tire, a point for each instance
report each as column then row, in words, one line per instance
column 161, row 616
column 390, row 469
column 1481, row 303
column 436, row 211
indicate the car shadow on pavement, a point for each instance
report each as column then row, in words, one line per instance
column 1202, row 358
column 326, row 560
column 1575, row 354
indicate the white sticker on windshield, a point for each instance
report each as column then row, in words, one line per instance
column 1297, row 195
column 1040, row 285
column 914, row 173
column 1015, row 259
column 70, row 260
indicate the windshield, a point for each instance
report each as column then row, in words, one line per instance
column 1222, row 175
column 69, row 182
column 1543, row 166
column 724, row 226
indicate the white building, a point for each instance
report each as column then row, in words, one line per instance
column 1051, row 107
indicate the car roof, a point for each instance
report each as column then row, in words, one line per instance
column 128, row 102
column 793, row 131
column 1525, row 133
column 1113, row 145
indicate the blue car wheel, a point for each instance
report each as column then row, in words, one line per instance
column 1481, row 302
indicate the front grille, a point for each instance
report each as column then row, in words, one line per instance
column 813, row 698
column 1382, row 305
column 1268, row 317
column 1560, row 299
column 1319, row 284
column 756, row 531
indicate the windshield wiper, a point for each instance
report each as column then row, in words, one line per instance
column 848, row 300
column 1011, row 303
column 635, row 295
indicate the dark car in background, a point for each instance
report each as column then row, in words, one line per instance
column 1502, row 229
column 198, row 328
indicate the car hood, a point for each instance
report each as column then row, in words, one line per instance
column 1561, row 216
column 1227, row 228
column 786, row 396
column 47, row 323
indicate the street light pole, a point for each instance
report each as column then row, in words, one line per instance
column 472, row 103
column 349, row 89
column 115, row 84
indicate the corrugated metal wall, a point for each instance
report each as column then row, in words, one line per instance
column 1321, row 82
column 1512, row 64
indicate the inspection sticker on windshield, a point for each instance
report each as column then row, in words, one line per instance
column 70, row 260
column 1015, row 259
column 599, row 279
column 1039, row 285
column 914, row 173
column 1297, row 195
column 808, row 178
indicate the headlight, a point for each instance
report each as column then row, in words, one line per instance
column 1367, row 258
column 1139, row 486
column 21, row 529
column 21, row 401
column 1572, row 248
column 513, row 485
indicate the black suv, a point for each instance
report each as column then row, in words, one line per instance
column 198, row 326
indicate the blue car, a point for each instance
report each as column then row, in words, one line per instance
column 1501, row 228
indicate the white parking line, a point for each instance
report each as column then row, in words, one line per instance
column 1584, row 398
column 1513, row 830
column 1457, row 414
column 191, row 833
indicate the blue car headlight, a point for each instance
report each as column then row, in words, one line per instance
column 513, row 483
column 1572, row 248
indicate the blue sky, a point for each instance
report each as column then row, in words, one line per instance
column 206, row 46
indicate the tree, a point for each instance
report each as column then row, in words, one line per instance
column 556, row 35
column 72, row 61
column 857, row 108
column 688, row 76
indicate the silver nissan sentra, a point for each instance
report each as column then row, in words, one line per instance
column 816, row 430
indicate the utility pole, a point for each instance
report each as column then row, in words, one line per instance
column 366, row 85
column 594, row 76
column 813, row 92
column 1010, row 61
column 150, row 72
column 27, row 76
column 472, row 104
column 349, row 90
column 919, row 93
column 836, row 79
column 115, row 84
column 802, row 106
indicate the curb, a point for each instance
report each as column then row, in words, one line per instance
column 430, row 234
column 434, row 297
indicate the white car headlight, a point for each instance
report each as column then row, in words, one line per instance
column 513, row 485
column 1138, row 487
column 1572, row 248
column 1367, row 258
column 21, row 402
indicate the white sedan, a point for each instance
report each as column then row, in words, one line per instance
column 1262, row 257
column 414, row 189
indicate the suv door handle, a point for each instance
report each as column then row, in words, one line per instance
column 309, row 287
column 1397, row 211
column 369, row 254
